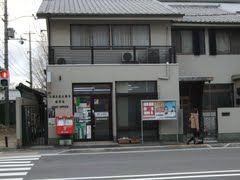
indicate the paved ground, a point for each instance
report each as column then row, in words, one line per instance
column 208, row 161
column 192, row 163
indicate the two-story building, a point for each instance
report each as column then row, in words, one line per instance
column 106, row 56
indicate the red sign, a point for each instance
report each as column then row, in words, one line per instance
column 64, row 126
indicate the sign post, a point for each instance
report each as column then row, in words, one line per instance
column 156, row 110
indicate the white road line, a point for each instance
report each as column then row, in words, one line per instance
column 15, row 162
column 147, row 175
column 15, row 169
column 24, row 159
column 11, row 179
column 16, row 165
column 13, row 174
column 15, row 157
column 226, row 145
column 188, row 177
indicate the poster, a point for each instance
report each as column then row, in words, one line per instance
column 158, row 110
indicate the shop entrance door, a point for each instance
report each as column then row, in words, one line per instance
column 92, row 117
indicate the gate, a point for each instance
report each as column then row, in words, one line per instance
column 34, row 126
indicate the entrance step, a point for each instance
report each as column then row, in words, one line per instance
column 210, row 140
column 94, row 144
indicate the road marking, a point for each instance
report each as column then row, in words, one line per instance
column 179, row 174
column 18, row 159
column 15, row 162
column 188, row 177
column 12, row 179
column 226, row 145
column 13, row 174
column 15, row 169
column 140, row 151
column 16, row 165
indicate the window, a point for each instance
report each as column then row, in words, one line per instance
column 224, row 41
column 189, row 41
column 90, row 35
column 130, row 35
column 221, row 96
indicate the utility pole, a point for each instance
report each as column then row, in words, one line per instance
column 6, row 61
column 30, row 56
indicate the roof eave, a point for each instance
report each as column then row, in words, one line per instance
column 65, row 15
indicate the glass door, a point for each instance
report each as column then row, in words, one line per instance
column 102, row 114
column 83, row 118
column 92, row 117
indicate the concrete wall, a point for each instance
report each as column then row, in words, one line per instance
column 228, row 124
column 63, row 76
column 220, row 67
column 60, row 30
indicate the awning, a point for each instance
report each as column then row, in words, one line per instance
column 235, row 77
column 195, row 78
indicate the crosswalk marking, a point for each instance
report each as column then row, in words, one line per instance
column 23, row 159
column 15, row 162
column 16, row 167
column 13, row 174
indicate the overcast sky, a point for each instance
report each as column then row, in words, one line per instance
column 21, row 19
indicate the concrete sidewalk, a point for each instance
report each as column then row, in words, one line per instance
column 99, row 147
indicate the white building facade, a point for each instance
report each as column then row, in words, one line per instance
column 104, row 60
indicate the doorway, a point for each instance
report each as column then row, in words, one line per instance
column 92, row 116
column 191, row 93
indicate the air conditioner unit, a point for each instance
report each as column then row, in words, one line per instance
column 153, row 55
column 127, row 57
column 61, row 61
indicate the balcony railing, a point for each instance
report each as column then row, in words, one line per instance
column 112, row 54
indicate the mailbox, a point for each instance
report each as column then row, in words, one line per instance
column 64, row 125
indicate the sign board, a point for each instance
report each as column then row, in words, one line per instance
column 158, row 110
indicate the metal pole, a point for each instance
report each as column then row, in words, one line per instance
column 142, row 130
column 6, row 62
column 30, row 59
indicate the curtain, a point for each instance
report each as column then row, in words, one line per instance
column 100, row 35
column 176, row 40
column 80, row 35
column 222, row 42
column 187, row 42
column 121, row 35
column 140, row 35
column 235, row 39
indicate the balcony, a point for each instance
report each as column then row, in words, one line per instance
column 112, row 55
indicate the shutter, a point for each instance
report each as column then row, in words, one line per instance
column 196, row 42
column 212, row 42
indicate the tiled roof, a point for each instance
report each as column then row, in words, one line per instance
column 205, row 13
column 104, row 8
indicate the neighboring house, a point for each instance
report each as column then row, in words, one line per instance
column 105, row 56
column 208, row 50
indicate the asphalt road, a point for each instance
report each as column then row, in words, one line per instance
column 214, row 164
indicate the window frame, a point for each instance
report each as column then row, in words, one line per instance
column 230, row 32
column 90, row 34
column 131, row 36
column 178, row 31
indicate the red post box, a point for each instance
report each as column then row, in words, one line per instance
column 64, row 125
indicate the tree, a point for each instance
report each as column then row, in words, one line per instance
column 39, row 63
